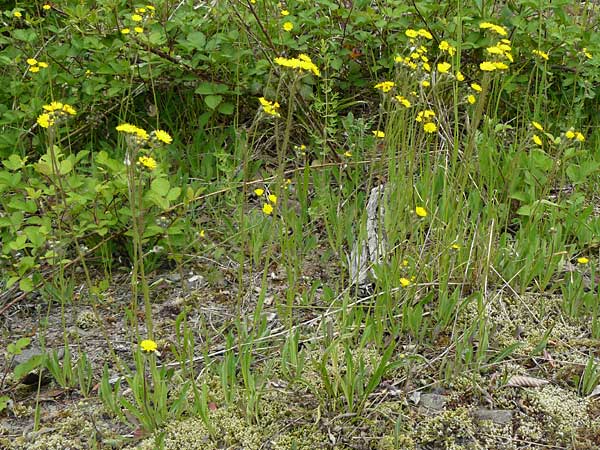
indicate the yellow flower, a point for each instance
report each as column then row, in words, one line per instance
column 404, row 282
column 583, row 260
column 148, row 346
column 585, row 52
column 267, row 209
column 137, row 18
column 269, row 107
column 537, row 125
column 132, row 129
column 424, row 33
column 495, row 28
column 46, row 7
column 17, row 14
column 148, row 162
column 378, row 134
column 43, row 65
column 34, row 69
column 258, row 192
column 285, row 12
column 476, row 87
column 430, row 127
column 487, row 66
column 580, row 137
column 411, row 33
column 425, row 114
column 45, row 121
column 425, row 83
column 460, row 76
column 500, row 65
column 537, row 139
column 202, row 233
column 385, row 86
column 272, row 198
column 125, row 31
column 570, row 134
column 427, row 67
column 420, row 211
column 138, row 29
column 443, row 67
column 162, row 136
column 455, row 247
column 471, row 99
column 288, row 26
column 403, row 101
column 541, row 54
column 405, row 262
column 303, row 62
column 32, row 61
column 348, row 154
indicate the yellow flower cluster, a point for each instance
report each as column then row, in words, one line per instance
column 572, row 134
column 446, row 47
column 541, row 54
column 385, row 86
column 302, row 62
column 141, row 14
column 417, row 56
column 267, row 207
column 54, row 113
column 148, row 162
column 413, row 34
column 403, row 101
column 139, row 134
column 35, row 65
column 500, row 52
column 426, row 117
column 270, row 108
column 495, row 28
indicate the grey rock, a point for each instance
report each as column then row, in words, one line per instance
column 435, row 402
column 497, row 416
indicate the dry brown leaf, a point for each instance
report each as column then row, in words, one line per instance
column 521, row 381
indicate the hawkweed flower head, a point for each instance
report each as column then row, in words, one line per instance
column 385, row 86
column 378, row 134
column 541, row 54
column 259, row 192
column 586, row 53
column 148, row 162
column 272, row 198
column 420, row 211
column 270, row 108
column 537, row 140
column 135, row 136
column 425, row 115
column 446, row 47
column 500, row 30
column 582, row 260
column 55, row 113
column 149, row 346
column 471, row 99
column 443, row 67
column 302, row 63
column 285, row 12
column 476, row 87
column 404, row 282
column 538, row 126
column 288, row 26
column 267, row 209
column 459, row 76
column 403, row 101
column 161, row 136
column 430, row 127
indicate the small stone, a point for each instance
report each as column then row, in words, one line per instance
column 433, row 402
column 497, row 416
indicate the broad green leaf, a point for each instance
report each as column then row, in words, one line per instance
column 28, row 366
column 212, row 101
column 160, row 186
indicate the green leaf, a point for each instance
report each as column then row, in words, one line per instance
column 17, row 347
column 208, row 88
column 4, row 401
column 197, row 40
column 212, row 101
column 26, row 285
column 226, row 108
column 160, row 186
column 28, row 366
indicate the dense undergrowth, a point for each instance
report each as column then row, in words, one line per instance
column 248, row 135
